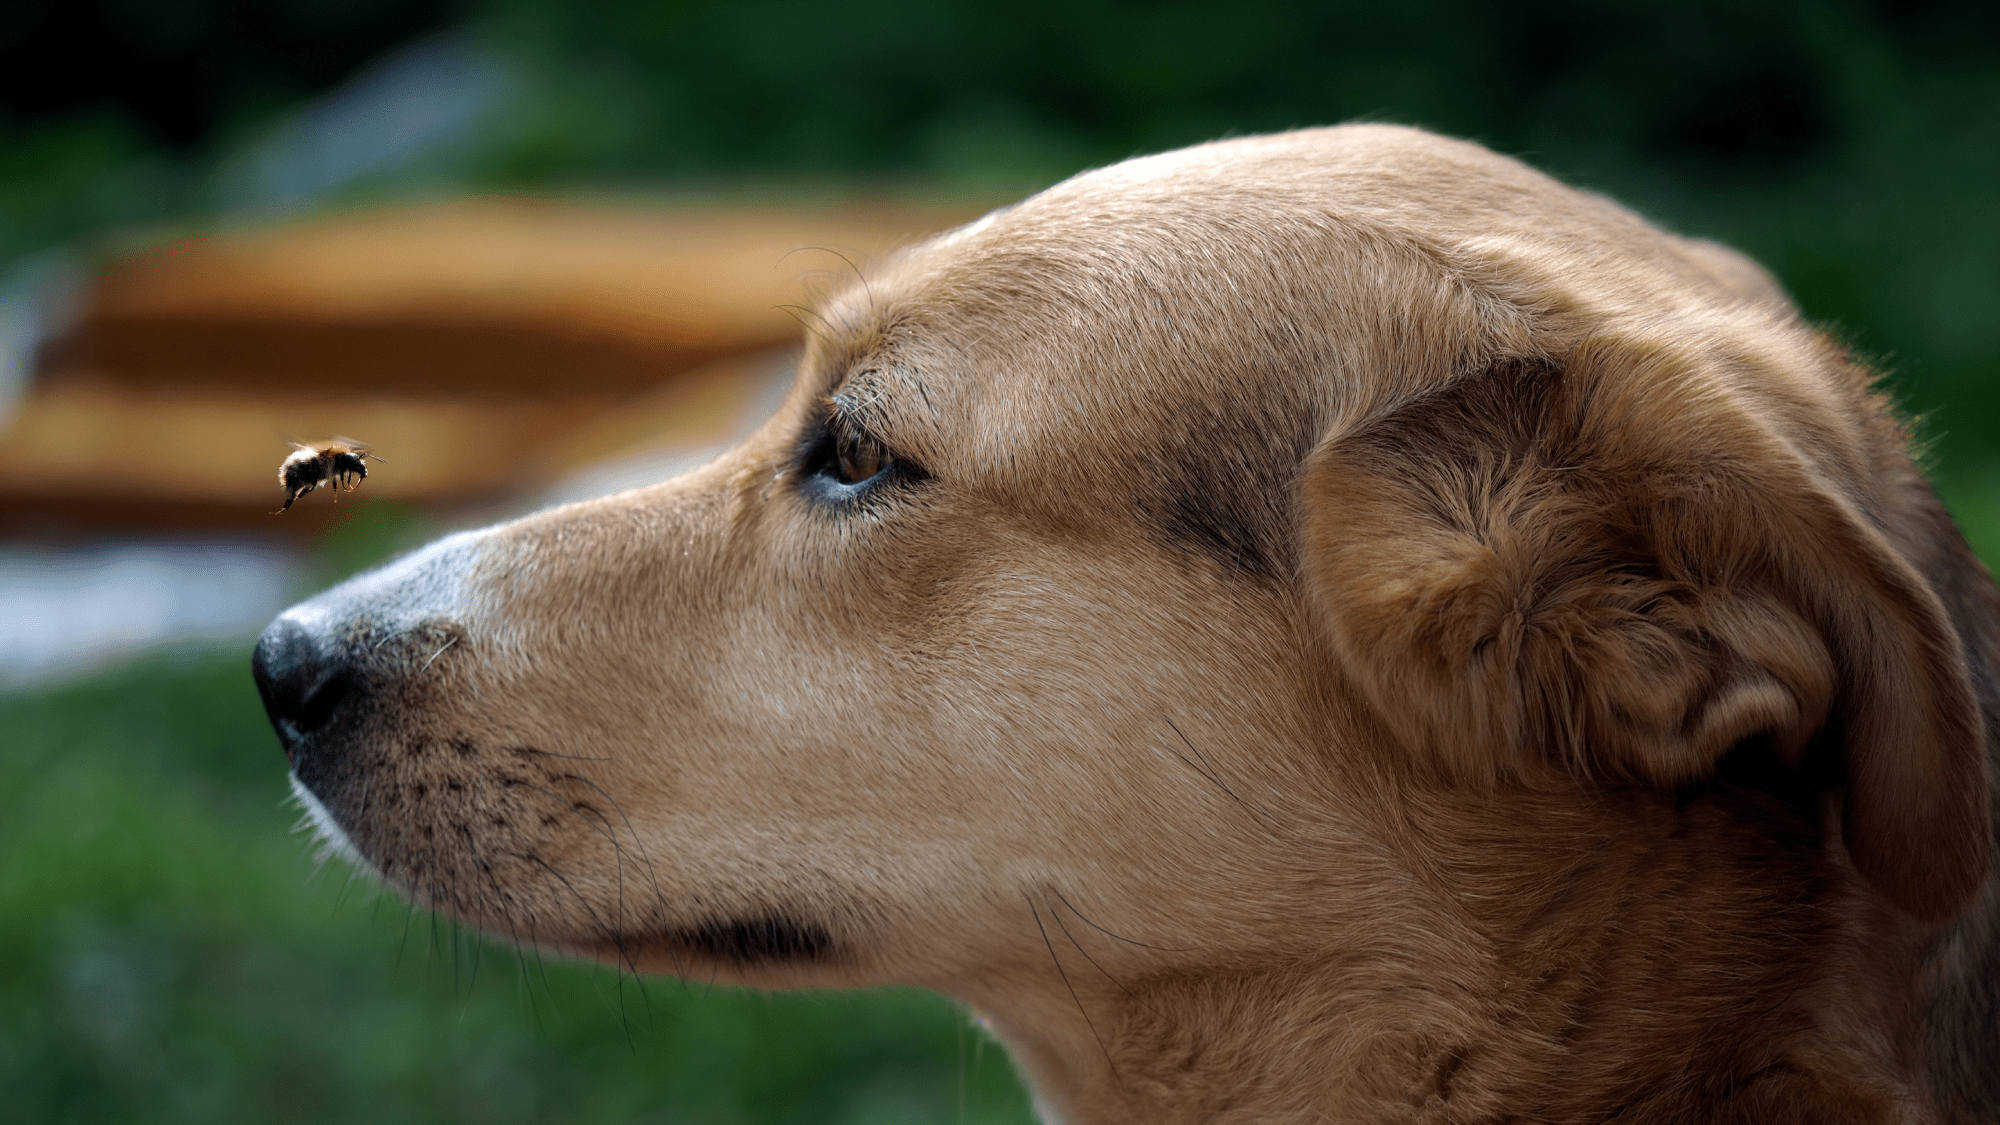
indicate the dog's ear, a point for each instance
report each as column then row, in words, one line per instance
column 1601, row 567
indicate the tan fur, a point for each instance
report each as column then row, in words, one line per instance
column 1376, row 635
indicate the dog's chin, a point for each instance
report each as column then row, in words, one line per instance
column 327, row 833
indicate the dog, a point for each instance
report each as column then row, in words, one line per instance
column 1333, row 626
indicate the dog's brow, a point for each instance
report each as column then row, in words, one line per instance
column 879, row 396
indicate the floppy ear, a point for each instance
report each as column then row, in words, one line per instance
column 1612, row 568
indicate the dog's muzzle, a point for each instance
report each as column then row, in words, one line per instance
column 328, row 667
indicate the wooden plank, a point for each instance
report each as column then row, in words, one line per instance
column 80, row 441
column 485, row 295
column 483, row 347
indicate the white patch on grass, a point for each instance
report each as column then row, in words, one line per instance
column 64, row 612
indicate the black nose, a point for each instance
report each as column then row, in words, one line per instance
column 302, row 679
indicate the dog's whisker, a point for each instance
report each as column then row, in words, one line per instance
column 463, row 950
column 589, row 815
column 615, row 933
column 1107, row 933
column 604, row 931
column 429, row 931
column 352, row 870
column 617, row 941
column 553, row 754
column 1064, row 974
column 824, row 330
column 346, row 885
column 399, row 856
column 472, row 902
column 638, row 841
column 1056, row 917
column 541, row 962
column 859, row 276
column 1218, row 782
column 438, row 653
column 483, row 867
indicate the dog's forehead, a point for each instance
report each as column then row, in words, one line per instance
column 1329, row 273
column 1225, row 280
column 1021, row 343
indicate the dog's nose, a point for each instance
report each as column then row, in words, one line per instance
column 302, row 678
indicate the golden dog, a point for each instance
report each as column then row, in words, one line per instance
column 1325, row 627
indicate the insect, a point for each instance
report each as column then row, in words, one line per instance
column 340, row 462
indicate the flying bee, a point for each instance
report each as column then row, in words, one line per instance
column 340, row 462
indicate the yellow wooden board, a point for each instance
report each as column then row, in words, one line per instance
column 484, row 347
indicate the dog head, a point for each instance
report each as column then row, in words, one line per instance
column 1173, row 567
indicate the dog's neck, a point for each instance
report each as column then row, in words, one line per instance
column 1633, row 982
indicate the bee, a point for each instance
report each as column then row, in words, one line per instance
column 340, row 462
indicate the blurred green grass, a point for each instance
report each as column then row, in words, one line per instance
column 171, row 950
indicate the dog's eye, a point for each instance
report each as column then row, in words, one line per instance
column 856, row 459
column 843, row 464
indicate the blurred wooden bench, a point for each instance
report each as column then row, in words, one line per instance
column 484, row 347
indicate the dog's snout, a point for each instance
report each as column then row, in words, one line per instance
column 302, row 678
column 325, row 664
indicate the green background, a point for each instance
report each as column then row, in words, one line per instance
column 169, row 951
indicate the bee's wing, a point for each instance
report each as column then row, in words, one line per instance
column 360, row 448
